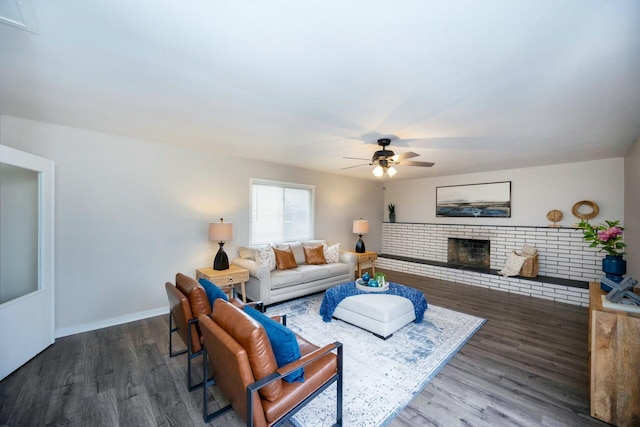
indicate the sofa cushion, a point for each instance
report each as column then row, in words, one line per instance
column 267, row 257
column 253, row 338
column 313, row 272
column 314, row 255
column 331, row 253
column 284, row 278
column 284, row 259
column 213, row 292
column 296, row 248
column 337, row 268
column 195, row 292
column 283, row 343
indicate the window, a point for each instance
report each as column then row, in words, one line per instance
column 281, row 211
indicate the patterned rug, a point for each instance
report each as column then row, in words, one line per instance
column 380, row 377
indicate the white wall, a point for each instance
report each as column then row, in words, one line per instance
column 632, row 209
column 534, row 192
column 131, row 213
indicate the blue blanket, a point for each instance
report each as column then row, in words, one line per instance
column 333, row 296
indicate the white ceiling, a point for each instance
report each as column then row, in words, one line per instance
column 473, row 85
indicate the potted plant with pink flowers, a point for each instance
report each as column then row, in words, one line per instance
column 608, row 237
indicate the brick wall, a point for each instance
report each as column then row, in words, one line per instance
column 562, row 254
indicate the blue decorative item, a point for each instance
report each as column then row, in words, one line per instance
column 283, row 343
column 614, row 268
column 212, row 291
column 373, row 283
column 366, row 277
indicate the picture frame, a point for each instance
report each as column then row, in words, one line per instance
column 485, row 200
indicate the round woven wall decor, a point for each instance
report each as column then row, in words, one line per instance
column 594, row 209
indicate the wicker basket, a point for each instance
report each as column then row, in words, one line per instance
column 530, row 267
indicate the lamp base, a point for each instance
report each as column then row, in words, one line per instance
column 221, row 261
column 360, row 245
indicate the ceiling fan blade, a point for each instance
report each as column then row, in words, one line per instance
column 356, row 166
column 414, row 163
column 355, row 158
column 403, row 156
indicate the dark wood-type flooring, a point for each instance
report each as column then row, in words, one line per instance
column 527, row 366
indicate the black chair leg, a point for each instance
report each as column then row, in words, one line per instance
column 205, row 395
column 339, row 389
column 171, row 331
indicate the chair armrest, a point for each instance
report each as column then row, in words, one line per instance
column 280, row 318
column 258, row 305
column 300, row 363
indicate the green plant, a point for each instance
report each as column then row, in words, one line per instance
column 608, row 236
column 392, row 209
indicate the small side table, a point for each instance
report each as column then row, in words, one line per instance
column 366, row 257
column 225, row 279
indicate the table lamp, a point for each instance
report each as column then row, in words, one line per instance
column 221, row 232
column 360, row 227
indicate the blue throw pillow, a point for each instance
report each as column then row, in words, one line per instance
column 212, row 291
column 283, row 342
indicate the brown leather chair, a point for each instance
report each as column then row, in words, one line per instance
column 187, row 301
column 239, row 354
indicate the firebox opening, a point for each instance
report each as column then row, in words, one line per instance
column 473, row 252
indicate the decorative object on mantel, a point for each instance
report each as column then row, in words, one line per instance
column 554, row 216
column 609, row 237
column 392, row 212
column 575, row 210
column 491, row 200
column 525, row 263
column 360, row 227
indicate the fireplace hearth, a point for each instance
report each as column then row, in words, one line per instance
column 472, row 252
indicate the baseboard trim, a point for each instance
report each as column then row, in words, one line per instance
column 77, row 329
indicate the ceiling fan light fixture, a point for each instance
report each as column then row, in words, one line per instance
column 378, row 171
column 391, row 171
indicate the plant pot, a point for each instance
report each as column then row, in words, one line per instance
column 614, row 268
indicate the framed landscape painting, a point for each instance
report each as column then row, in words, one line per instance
column 474, row 200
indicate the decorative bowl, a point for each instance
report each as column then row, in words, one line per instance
column 363, row 287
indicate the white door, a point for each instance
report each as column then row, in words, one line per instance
column 27, row 319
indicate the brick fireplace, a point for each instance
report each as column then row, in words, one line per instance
column 562, row 255
column 473, row 252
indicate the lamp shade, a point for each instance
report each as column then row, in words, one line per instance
column 221, row 231
column 360, row 226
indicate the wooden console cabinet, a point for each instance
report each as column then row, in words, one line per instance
column 614, row 358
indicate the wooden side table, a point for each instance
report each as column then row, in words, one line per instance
column 614, row 356
column 226, row 279
column 365, row 257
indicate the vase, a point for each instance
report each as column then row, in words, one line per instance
column 392, row 217
column 614, row 268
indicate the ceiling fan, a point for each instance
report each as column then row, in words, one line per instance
column 385, row 159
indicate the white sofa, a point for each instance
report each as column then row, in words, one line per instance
column 275, row 286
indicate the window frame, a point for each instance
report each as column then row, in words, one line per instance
column 284, row 185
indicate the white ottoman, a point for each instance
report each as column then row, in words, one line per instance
column 382, row 314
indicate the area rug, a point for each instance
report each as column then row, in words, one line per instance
column 380, row 377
